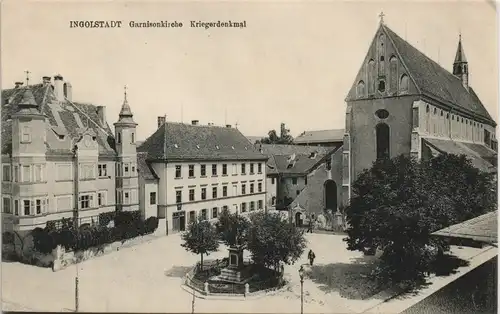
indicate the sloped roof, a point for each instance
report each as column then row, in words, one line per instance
column 459, row 148
column 321, row 136
column 253, row 139
column 145, row 171
column 62, row 118
column 198, row 142
column 294, row 159
column 435, row 81
column 483, row 228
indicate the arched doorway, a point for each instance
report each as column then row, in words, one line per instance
column 298, row 219
column 330, row 196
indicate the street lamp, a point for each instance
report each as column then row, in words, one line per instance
column 301, row 274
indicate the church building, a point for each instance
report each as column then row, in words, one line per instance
column 403, row 102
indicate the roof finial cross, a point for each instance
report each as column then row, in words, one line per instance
column 27, row 77
column 125, row 91
column 381, row 15
column 236, row 124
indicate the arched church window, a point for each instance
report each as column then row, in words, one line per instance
column 447, row 116
column 393, row 65
column 371, row 77
column 453, row 117
column 381, row 54
column 383, row 140
column 382, row 114
column 361, row 89
column 441, row 113
column 381, row 86
column 427, row 109
column 404, row 84
column 435, row 111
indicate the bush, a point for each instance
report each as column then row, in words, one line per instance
column 43, row 241
column 151, row 224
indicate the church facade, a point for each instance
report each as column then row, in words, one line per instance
column 402, row 102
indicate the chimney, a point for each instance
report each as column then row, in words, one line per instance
column 161, row 121
column 46, row 80
column 18, row 84
column 68, row 91
column 101, row 113
column 195, row 122
column 58, row 87
column 228, row 125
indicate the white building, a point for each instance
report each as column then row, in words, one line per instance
column 188, row 170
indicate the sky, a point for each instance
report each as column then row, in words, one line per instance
column 294, row 62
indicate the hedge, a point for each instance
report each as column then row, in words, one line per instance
column 128, row 226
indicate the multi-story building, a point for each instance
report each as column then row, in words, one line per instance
column 60, row 158
column 200, row 170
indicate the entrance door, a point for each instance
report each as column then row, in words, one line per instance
column 176, row 224
column 182, row 221
column 298, row 219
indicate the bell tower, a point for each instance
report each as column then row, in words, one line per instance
column 461, row 66
column 127, row 182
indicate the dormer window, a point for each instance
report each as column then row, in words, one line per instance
column 176, row 146
column 26, row 136
column 312, row 155
column 61, row 137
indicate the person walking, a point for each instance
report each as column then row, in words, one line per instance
column 311, row 256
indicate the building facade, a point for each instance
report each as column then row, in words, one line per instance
column 60, row 158
column 201, row 171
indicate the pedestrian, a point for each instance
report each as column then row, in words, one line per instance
column 311, row 256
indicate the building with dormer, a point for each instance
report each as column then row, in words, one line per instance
column 191, row 170
column 60, row 158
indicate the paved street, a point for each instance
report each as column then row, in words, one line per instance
column 147, row 278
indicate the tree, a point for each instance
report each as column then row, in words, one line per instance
column 272, row 239
column 273, row 138
column 232, row 228
column 398, row 203
column 200, row 238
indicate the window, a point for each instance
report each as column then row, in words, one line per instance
column 191, row 195
column 26, row 206
column 259, row 187
column 16, row 207
column 6, row 173
column 85, row 201
column 305, row 180
column 132, row 138
column 360, row 90
column 191, row 171
column 382, row 114
column 6, row 206
column 383, row 134
column 203, row 193
column 118, row 138
column 178, row 171
column 224, row 208
column 297, row 192
column 16, row 173
column 259, row 168
column 243, row 207
column 243, row 189
column 214, row 169
column 192, row 216
column 235, row 169
column 224, row 191
column 26, row 173
column 243, row 169
column 214, row 212
column 87, row 171
column 235, row 190
column 178, row 196
column 204, row 214
column 214, row 192
column 261, row 204
column 403, row 85
column 203, row 170
column 125, row 169
column 294, row 181
column 273, row 200
column 224, row 169
column 251, row 188
column 252, row 206
column 26, row 136
column 126, row 198
column 38, row 173
column 381, row 86
column 102, row 170
column 38, row 206
column 152, row 198
column 371, row 76
column 251, row 168
column 272, row 181
column 101, row 199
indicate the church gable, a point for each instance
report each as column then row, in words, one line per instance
column 382, row 73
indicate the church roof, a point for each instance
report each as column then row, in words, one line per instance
column 435, row 81
column 179, row 141
column 62, row 118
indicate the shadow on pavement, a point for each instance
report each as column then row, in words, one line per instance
column 178, row 271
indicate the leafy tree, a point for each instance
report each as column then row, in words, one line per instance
column 200, row 238
column 398, row 203
column 273, row 138
column 232, row 228
column 272, row 240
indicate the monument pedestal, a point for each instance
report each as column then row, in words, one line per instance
column 234, row 271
